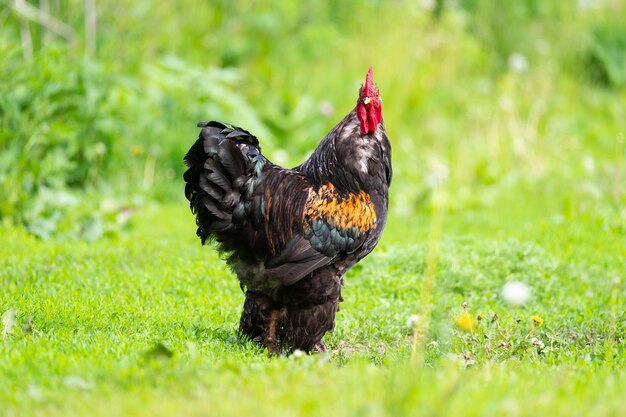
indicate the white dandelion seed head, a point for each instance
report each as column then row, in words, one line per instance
column 515, row 293
column 412, row 320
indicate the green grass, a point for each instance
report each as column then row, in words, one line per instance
column 110, row 305
column 144, row 323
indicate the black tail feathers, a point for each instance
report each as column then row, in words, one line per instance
column 223, row 164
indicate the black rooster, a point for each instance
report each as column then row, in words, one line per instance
column 291, row 234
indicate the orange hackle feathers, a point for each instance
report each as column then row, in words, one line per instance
column 353, row 210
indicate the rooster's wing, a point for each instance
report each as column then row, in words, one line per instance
column 260, row 211
column 333, row 226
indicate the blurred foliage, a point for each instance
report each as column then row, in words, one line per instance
column 606, row 56
column 484, row 87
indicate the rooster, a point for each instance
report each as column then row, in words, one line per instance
column 291, row 234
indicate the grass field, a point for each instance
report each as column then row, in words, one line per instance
column 145, row 324
column 508, row 126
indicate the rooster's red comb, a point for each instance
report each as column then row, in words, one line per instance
column 369, row 78
column 368, row 89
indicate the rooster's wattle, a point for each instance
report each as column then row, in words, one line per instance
column 291, row 234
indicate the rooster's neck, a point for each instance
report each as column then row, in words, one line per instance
column 350, row 160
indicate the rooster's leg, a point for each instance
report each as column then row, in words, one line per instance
column 309, row 308
column 256, row 318
column 271, row 341
column 303, row 326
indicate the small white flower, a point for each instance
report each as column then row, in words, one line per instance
column 428, row 5
column 100, row 148
column 537, row 342
column 9, row 321
column 437, row 174
column 589, row 164
column 518, row 62
column 76, row 382
column 297, row 354
column 34, row 392
column 515, row 293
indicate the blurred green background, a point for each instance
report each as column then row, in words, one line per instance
column 518, row 106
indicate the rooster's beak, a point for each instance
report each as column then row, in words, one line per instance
column 366, row 100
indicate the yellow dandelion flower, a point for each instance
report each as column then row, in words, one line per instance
column 136, row 150
column 465, row 321
column 537, row 321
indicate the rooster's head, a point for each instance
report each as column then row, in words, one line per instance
column 369, row 107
